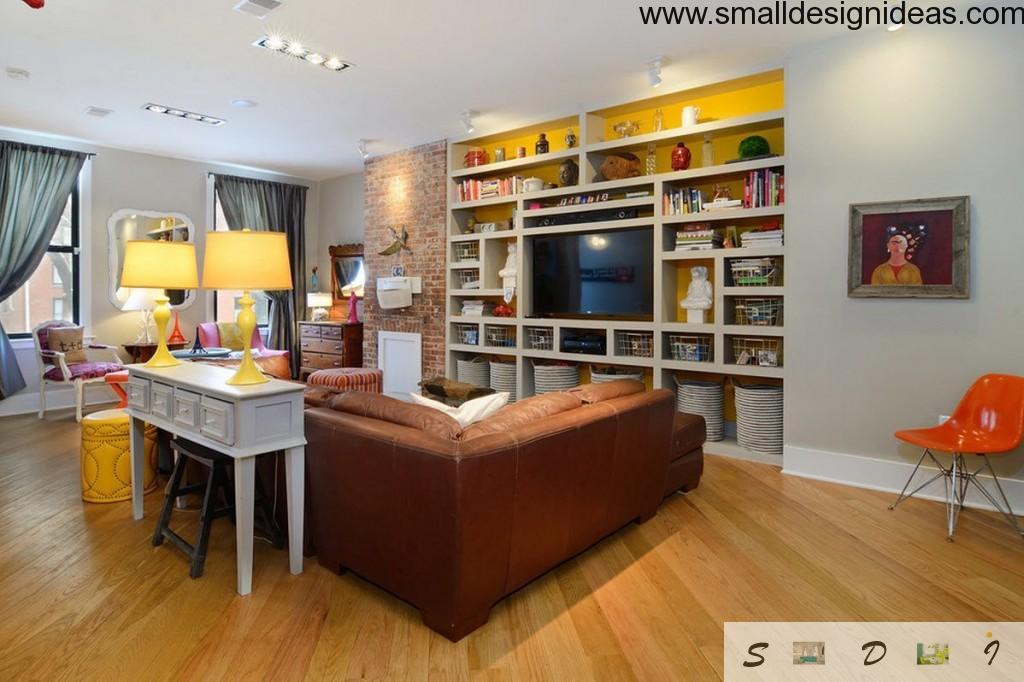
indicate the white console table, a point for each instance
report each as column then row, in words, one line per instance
column 194, row 401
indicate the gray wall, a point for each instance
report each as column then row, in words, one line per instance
column 920, row 113
column 341, row 218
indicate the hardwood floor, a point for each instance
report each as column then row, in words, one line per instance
column 83, row 595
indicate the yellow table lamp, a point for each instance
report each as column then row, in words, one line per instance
column 246, row 260
column 160, row 265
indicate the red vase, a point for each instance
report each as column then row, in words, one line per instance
column 680, row 157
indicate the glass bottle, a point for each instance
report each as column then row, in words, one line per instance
column 707, row 152
column 542, row 145
column 652, row 160
column 659, row 120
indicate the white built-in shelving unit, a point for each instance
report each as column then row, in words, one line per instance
column 489, row 250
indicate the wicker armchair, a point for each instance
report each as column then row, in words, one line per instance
column 54, row 369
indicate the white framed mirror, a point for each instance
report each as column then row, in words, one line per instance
column 129, row 224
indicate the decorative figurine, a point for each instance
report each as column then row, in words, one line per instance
column 398, row 243
column 698, row 295
column 626, row 128
column 314, row 279
column 659, row 120
column 754, row 147
column 176, row 335
column 541, row 147
column 680, row 157
column 353, row 308
column 569, row 173
column 721, row 193
column 508, row 274
column 619, row 166
column 651, row 162
column 570, row 138
column 499, row 154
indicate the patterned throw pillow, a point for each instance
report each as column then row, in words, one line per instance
column 230, row 335
column 68, row 340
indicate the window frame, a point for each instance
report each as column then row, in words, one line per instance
column 75, row 250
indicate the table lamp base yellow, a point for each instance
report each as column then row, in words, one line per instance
column 248, row 372
column 162, row 315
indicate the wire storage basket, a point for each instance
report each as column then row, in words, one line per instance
column 548, row 378
column 690, row 347
column 467, row 334
column 600, row 374
column 759, row 418
column 500, row 336
column 469, row 278
column 476, row 371
column 634, row 344
column 540, row 338
column 503, row 378
column 704, row 398
column 756, row 350
column 755, row 272
column 467, row 252
column 759, row 312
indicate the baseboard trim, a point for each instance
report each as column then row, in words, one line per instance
column 886, row 475
column 56, row 399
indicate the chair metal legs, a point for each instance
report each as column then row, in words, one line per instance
column 957, row 479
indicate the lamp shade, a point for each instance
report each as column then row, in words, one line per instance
column 319, row 299
column 159, row 265
column 142, row 299
column 246, row 260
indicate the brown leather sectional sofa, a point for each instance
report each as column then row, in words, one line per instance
column 452, row 520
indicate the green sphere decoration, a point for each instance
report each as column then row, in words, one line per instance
column 755, row 145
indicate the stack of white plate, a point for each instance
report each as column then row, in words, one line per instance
column 599, row 375
column 503, row 378
column 550, row 378
column 703, row 398
column 759, row 418
column 475, row 371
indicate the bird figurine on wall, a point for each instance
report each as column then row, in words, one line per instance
column 398, row 243
column 35, row 4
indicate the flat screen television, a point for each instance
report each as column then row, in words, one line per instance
column 603, row 274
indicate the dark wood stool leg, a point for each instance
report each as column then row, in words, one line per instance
column 266, row 511
column 206, row 516
column 169, row 497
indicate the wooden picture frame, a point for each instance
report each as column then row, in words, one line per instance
column 886, row 236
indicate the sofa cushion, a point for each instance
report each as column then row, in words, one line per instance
column 523, row 412
column 469, row 412
column 317, row 396
column 688, row 433
column 84, row 370
column 230, row 335
column 385, row 408
column 596, row 393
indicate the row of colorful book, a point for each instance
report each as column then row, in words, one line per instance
column 764, row 188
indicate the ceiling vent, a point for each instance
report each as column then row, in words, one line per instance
column 98, row 112
column 257, row 8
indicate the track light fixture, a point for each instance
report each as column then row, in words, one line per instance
column 654, row 71
column 362, row 149
column 467, row 121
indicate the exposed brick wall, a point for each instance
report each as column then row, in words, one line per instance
column 408, row 188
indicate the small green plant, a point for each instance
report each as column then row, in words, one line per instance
column 755, row 145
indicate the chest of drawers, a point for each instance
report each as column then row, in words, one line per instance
column 330, row 344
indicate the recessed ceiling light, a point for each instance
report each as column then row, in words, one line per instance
column 257, row 8
column 98, row 112
column 243, row 103
column 294, row 48
column 654, row 71
column 16, row 74
column 181, row 113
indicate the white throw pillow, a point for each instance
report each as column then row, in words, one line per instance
column 470, row 411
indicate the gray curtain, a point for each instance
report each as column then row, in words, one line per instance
column 35, row 183
column 275, row 207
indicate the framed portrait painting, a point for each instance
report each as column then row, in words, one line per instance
column 910, row 249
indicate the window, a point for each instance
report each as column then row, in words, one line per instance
column 225, row 302
column 51, row 292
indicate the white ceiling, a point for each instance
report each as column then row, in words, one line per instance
column 418, row 64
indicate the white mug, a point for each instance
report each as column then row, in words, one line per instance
column 690, row 115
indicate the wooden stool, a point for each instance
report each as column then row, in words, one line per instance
column 217, row 481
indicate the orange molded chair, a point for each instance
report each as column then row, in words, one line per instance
column 988, row 420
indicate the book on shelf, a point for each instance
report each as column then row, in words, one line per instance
column 764, row 188
column 476, row 308
column 698, row 237
column 488, row 188
column 682, row 201
column 755, row 239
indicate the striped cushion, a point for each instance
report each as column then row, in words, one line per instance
column 348, row 379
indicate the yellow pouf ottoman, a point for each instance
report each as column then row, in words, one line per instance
column 107, row 458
